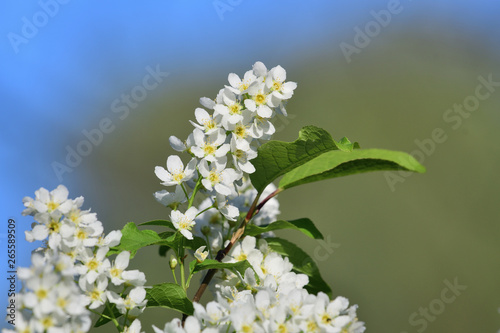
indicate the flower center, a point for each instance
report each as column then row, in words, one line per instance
column 276, row 85
column 243, row 86
column 81, row 235
column 41, row 293
column 93, row 264
column 260, row 99
column 51, row 206
column 240, row 154
column 54, row 226
column 209, row 124
column 95, row 295
column 177, row 177
column 282, row 328
column 74, row 216
column 235, row 109
column 214, row 177
column 240, row 131
column 246, row 329
column 115, row 272
column 185, row 224
column 325, row 319
column 312, row 327
column 241, row 257
column 61, row 302
column 47, row 322
column 209, row 149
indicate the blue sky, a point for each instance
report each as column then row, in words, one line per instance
column 89, row 52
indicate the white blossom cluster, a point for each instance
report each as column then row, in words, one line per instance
column 71, row 273
column 222, row 145
column 268, row 298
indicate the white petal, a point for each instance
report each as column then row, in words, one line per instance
column 177, row 144
column 259, row 69
column 203, row 168
column 207, row 102
column 221, row 109
column 250, row 104
column 191, row 213
column 162, row 174
column 222, row 189
column 174, row 164
column 264, row 111
column 122, row 260
column 234, row 80
column 187, row 234
column 223, row 150
column 60, row 194
column 279, row 73
column 201, row 115
column 199, row 137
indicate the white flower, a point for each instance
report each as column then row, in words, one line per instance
column 239, row 86
column 217, row 177
column 50, row 226
column 48, row 202
column 280, row 89
column 243, row 319
column 230, row 108
column 245, row 250
column 230, row 212
column 93, row 265
column 200, row 254
column 112, row 239
column 180, row 146
column 133, row 303
column 205, row 121
column 261, row 127
column 168, row 198
column 260, row 101
column 209, row 147
column 41, row 297
column 116, row 270
column 96, row 291
column 176, row 173
column 184, row 222
column 242, row 154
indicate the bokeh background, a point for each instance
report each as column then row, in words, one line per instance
column 394, row 245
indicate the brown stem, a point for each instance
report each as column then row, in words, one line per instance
column 254, row 209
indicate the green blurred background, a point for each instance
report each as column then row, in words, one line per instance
column 394, row 246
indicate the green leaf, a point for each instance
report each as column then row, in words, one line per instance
column 306, row 226
column 133, row 239
column 276, row 158
column 169, row 295
column 239, row 266
column 173, row 241
column 340, row 163
column 114, row 313
column 163, row 223
column 302, row 263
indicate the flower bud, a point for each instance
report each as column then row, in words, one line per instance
column 205, row 230
column 172, row 262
